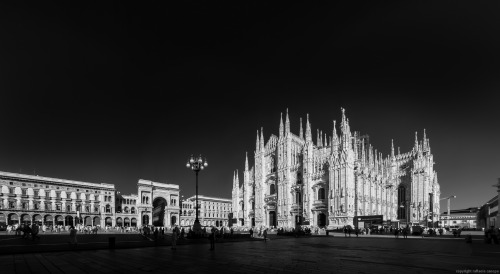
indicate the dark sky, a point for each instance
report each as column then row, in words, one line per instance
column 114, row 92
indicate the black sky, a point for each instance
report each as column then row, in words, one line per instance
column 117, row 92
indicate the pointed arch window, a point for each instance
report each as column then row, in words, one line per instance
column 321, row 193
column 272, row 189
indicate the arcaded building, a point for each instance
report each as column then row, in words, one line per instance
column 330, row 182
column 52, row 201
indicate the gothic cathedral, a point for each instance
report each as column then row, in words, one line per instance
column 328, row 184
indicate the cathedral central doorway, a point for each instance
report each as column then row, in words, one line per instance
column 159, row 205
column 145, row 219
column 272, row 218
column 321, row 219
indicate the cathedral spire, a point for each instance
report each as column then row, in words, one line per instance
column 318, row 138
column 287, row 123
column 425, row 142
column 325, row 142
column 246, row 161
column 308, row 130
column 335, row 140
column 257, row 143
column 415, row 147
column 301, row 134
column 237, row 178
column 345, row 131
column 281, row 126
column 392, row 148
column 363, row 153
column 342, row 122
column 262, row 139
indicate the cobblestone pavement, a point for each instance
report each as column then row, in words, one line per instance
column 285, row 255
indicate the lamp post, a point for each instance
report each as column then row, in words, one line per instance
column 196, row 165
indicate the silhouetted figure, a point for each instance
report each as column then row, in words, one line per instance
column 175, row 234
column 72, row 236
column 212, row 238
column 34, row 232
column 405, row 233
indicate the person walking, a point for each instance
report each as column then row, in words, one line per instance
column 349, row 230
column 175, row 234
column 405, row 233
column 72, row 236
column 34, row 232
column 251, row 232
column 212, row 238
column 356, row 231
column 265, row 234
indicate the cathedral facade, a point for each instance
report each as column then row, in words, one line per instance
column 330, row 183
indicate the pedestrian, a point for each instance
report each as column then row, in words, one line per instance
column 34, row 232
column 349, row 230
column 174, row 238
column 72, row 236
column 396, row 233
column 232, row 231
column 492, row 235
column 265, row 234
column 251, row 232
column 405, row 233
column 27, row 232
column 212, row 238
column 163, row 233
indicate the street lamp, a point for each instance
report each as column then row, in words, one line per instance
column 196, row 164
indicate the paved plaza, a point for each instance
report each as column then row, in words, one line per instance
column 316, row 254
